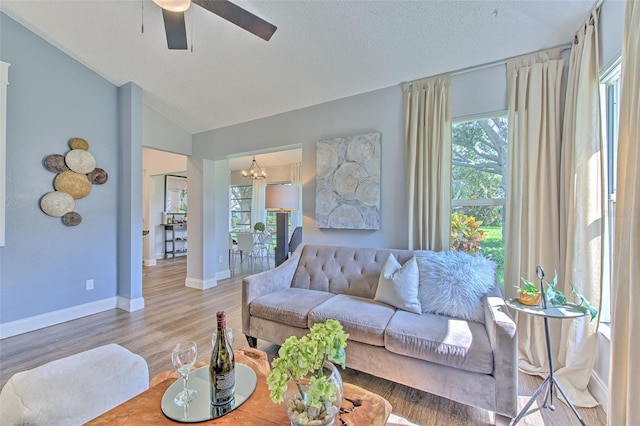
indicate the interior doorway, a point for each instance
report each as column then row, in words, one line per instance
column 160, row 240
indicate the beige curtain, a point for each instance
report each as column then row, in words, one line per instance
column 582, row 212
column 624, row 391
column 427, row 109
column 532, row 223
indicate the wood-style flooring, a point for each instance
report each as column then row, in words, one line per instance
column 174, row 312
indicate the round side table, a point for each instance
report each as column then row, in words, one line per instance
column 569, row 311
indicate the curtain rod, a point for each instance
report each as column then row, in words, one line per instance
column 502, row 61
column 565, row 46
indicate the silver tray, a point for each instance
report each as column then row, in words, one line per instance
column 200, row 409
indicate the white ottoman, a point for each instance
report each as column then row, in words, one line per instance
column 75, row 389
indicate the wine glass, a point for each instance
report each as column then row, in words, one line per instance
column 183, row 357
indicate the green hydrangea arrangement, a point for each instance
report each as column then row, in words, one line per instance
column 298, row 358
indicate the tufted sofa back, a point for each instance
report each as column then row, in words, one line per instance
column 343, row 270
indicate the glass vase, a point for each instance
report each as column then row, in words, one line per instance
column 300, row 413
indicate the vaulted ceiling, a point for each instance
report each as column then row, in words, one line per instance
column 322, row 50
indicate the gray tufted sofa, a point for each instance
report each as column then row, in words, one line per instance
column 320, row 282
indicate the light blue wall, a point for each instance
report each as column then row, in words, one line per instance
column 159, row 132
column 52, row 98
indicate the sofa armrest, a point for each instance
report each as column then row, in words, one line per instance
column 267, row 282
column 504, row 343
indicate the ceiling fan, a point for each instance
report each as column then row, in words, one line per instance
column 174, row 26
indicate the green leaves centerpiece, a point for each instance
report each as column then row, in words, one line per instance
column 300, row 358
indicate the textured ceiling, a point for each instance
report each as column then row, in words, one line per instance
column 322, row 50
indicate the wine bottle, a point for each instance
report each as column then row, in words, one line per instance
column 222, row 366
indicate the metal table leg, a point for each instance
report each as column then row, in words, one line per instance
column 548, row 383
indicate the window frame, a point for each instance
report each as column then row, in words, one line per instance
column 231, row 211
column 610, row 81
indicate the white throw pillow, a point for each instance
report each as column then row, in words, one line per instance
column 453, row 283
column 398, row 285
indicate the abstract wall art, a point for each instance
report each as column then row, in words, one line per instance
column 348, row 182
column 76, row 174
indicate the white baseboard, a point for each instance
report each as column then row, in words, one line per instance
column 37, row 322
column 600, row 391
column 200, row 284
column 130, row 305
column 149, row 262
column 223, row 275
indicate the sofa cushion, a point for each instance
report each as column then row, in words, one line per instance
column 440, row 339
column 364, row 319
column 289, row 306
column 453, row 283
column 398, row 285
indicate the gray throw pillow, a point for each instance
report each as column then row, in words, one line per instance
column 398, row 285
column 453, row 283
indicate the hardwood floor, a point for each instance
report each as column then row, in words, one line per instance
column 174, row 312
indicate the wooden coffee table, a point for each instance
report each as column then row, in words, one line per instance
column 359, row 407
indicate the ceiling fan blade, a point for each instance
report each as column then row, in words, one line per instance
column 175, row 28
column 237, row 15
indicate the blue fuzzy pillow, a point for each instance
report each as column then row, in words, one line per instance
column 453, row 283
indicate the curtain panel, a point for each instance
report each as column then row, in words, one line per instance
column 258, row 212
column 582, row 212
column 427, row 108
column 624, row 392
column 532, row 221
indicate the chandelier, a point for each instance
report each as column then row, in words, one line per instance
column 254, row 172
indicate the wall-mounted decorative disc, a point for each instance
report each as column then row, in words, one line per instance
column 98, row 176
column 55, row 163
column 73, row 183
column 57, row 203
column 72, row 219
column 79, row 143
column 80, row 161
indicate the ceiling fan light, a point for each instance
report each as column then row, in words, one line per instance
column 173, row 5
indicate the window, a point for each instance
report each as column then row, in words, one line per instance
column 241, row 207
column 610, row 97
column 479, row 170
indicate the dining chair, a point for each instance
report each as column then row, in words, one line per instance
column 261, row 241
column 267, row 244
column 247, row 246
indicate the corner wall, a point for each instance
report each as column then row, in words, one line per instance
column 44, row 265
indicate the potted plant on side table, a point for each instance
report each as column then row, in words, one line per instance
column 305, row 377
column 529, row 294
